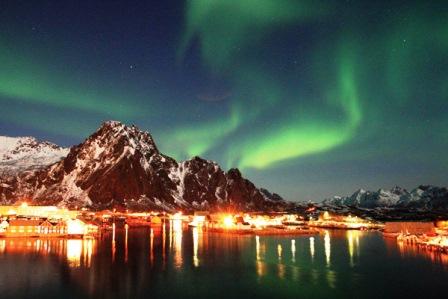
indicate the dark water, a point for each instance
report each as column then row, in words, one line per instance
column 152, row 263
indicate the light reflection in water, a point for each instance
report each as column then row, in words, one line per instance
column 176, row 228
column 279, row 251
column 357, row 242
column 257, row 247
column 414, row 251
column 74, row 250
column 281, row 270
column 260, row 265
column 293, row 250
column 2, row 246
column 327, row 245
column 151, row 245
column 163, row 244
column 350, row 246
column 113, row 242
column 171, row 233
column 312, row 247
column 353, row 244
column 331, row 279
column 87, row 252
column 195, row 246
column 126, row 228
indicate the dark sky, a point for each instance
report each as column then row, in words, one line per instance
column 308, row 98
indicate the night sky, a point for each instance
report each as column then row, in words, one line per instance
column 308, row 98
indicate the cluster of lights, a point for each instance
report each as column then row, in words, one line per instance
column 351, row 222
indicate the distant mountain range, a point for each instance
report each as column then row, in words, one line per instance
column 121, row 166
column 422, row 197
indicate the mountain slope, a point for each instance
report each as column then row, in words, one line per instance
column 120, row 166
column 18, row 154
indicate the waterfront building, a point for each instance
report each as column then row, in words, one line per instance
column 23, row 228
column 25, row 210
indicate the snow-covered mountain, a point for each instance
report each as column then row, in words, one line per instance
column 422, row 197
column 18, row 154
column 121, row 166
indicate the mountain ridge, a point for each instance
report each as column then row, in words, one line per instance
column 426, row 197
column 121, row 166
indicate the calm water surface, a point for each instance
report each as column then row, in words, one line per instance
column 186, row 263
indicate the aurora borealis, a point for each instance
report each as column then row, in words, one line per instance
column 308, row 98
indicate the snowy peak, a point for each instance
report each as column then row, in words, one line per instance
column 26, row 153
column 120, row 136
column 111, row 143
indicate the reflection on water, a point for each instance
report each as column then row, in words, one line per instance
column 327, row 241
column 176, row 240
column 257, row 247
column 259, row 264
column 279, row 251
column 195, row 246
column 74, row 250
column 163, row 243
column 151, row 245
column 141, row 263
column 414, row 251
column 114, row 248
column 293, row 250
column 2, row 246
column 126, row 233
column 353, row 244
column 312, row 247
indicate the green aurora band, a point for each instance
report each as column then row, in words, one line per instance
column 229, row 32
column 23, row 79
column 220, row 35
column 304, row 135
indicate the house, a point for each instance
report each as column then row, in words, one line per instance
column 23, row 228
column 33, row 228
column 25, row 210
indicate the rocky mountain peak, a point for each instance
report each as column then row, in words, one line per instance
column 120, row 165
column 234, row 173
column 398, row 190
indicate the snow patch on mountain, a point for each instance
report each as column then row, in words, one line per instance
column 26, row 153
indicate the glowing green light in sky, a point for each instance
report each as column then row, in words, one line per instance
column 26, row 80
column 227, row 27
column 196, row 140
column 305, row 134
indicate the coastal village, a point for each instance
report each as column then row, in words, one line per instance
column 27, row 221
column 24, row 220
